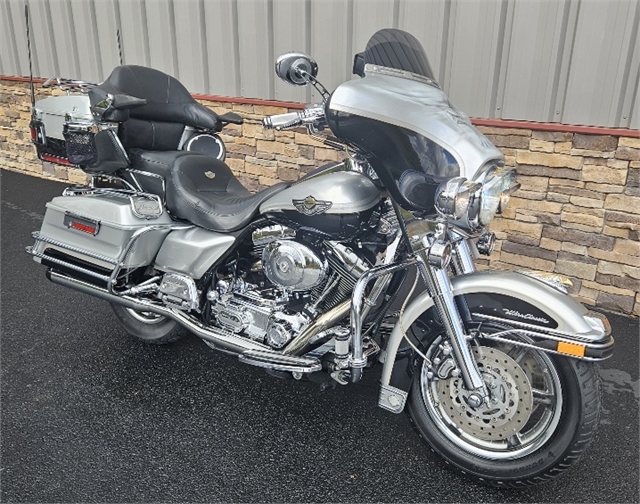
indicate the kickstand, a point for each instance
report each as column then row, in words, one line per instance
column 329, row 384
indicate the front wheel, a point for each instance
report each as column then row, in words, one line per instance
column 147, row 326
column 540, row 416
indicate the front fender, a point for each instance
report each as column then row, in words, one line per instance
column 508, row 295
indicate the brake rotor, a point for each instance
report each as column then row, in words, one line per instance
column 509, row 404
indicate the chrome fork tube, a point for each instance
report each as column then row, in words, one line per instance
column 439, row 287
column 462, row 259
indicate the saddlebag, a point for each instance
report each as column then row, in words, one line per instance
column 89, row 235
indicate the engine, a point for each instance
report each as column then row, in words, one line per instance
column 286, row 286
column 292, row 265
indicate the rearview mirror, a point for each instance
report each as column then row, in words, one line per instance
column 296, row 68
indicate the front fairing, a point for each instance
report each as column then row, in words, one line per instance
column 417, row 104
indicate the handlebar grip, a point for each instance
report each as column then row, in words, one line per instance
column 282, row 121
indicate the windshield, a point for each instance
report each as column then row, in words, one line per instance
column 411, row 134
column 397, row 49
column 403, row 123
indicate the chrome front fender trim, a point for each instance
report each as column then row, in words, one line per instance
column 575, row 323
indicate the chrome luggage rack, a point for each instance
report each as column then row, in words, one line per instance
column 69, row 85
column 138, row 200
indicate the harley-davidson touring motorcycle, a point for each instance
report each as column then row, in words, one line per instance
column 363, row 263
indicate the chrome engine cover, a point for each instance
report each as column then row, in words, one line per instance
column 257, row 317
column 179, row 291
column 292, row 266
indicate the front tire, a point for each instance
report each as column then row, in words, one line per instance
column 148, row 327
column 542, row 414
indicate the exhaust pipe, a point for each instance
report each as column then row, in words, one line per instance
column 221, row 340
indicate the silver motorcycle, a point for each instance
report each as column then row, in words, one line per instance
column 364, row 263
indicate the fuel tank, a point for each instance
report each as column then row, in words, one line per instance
column 337, row 205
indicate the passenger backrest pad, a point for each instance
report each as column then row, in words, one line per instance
column 150, row 135
column 170, row 107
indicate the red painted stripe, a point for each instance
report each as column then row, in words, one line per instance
column 496, row 123
column 564, row 128
column 249, row 101
column 13, row 78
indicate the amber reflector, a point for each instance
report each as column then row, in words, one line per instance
column 571, row 349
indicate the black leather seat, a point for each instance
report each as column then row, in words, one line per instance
column 196, row 187
column 200, row 189
column 168, row 101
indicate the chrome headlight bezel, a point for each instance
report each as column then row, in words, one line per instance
column 453, row 197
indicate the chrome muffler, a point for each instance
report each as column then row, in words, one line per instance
column 221, row 339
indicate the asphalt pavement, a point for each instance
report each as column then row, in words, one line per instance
column 89, row 414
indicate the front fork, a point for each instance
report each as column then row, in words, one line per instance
column 433, row 259
column 432, row 253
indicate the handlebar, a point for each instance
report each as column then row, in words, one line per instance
column 313, row 116
column 282, row 121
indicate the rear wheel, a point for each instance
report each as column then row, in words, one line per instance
column 148, row 326
column 540, row 416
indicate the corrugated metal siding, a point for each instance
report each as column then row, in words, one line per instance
column 569, row 61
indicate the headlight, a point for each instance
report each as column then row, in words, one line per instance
column 453, row 197
column 495, row 186
column 490, row 200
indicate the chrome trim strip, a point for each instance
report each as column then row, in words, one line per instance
column 552, row 280
column 499, row 337
column 370, row 69
column 550, row 333
column 59, row 262
column 38, row 237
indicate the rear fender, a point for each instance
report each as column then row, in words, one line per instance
column 508, row 297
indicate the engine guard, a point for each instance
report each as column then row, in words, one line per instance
column 552, row 319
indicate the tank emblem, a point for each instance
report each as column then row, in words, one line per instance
column 311, row 206
column 210, row 174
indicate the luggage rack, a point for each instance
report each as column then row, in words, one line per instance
column 143, row 205
column 69, row 85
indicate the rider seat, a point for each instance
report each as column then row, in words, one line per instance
column 196, row 187
column 199, row 188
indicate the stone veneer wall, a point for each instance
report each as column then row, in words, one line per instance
column 577, row 213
